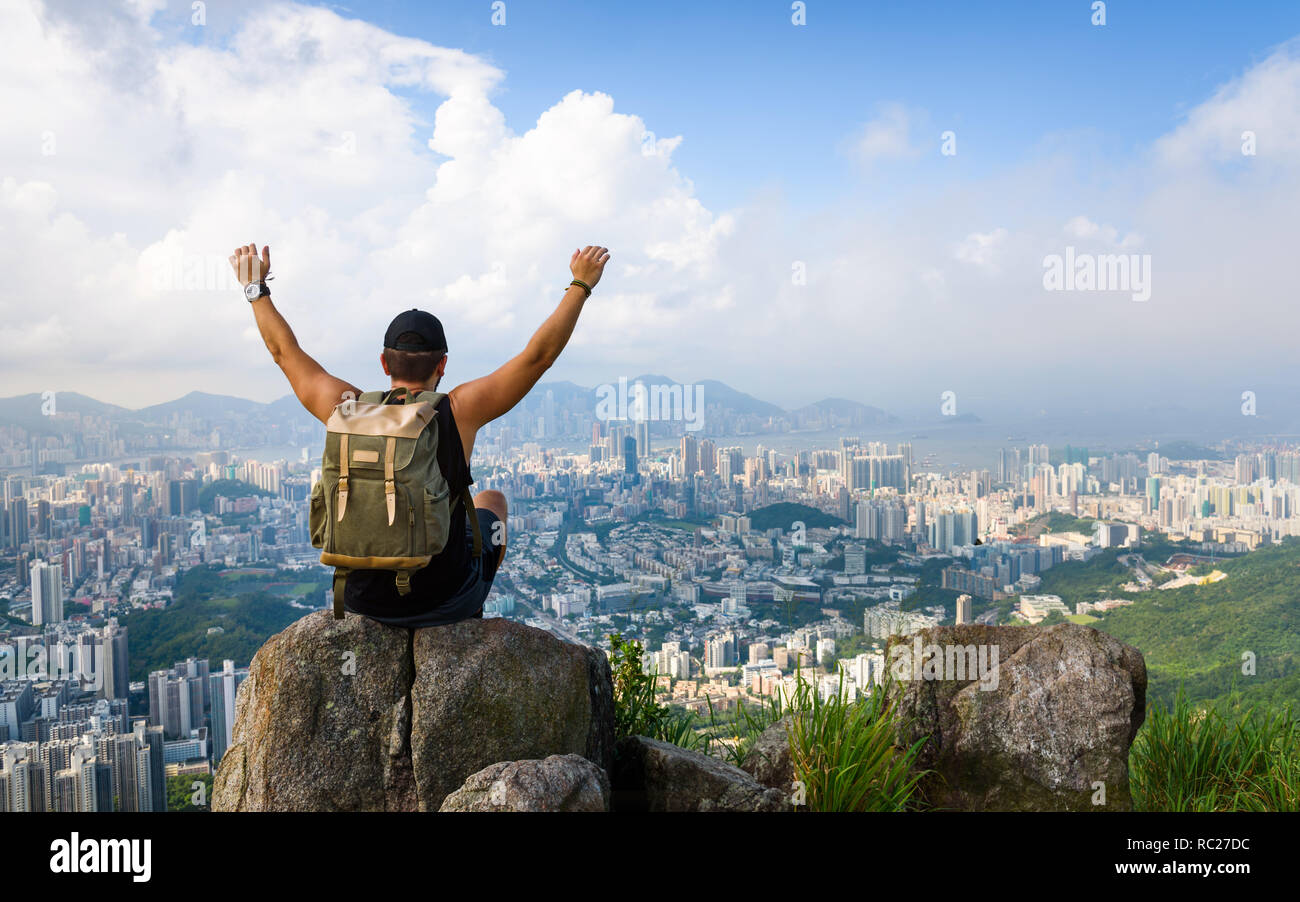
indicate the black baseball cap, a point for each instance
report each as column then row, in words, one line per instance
column 424, row 325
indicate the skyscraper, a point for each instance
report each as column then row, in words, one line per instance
column 47, row 593
column 643, row 438
column 225, row 688
column 16, row 532
column 690, row 455
column 629, row 455
column 963, row 609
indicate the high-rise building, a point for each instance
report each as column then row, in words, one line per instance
column 855, row 560
column 16, row 529
column 47, row 593
column 708, row 456
column 128, row 502
column 137, row 767
column 963, row 609
column 225, row 689
column 629, row 455
column 643, row 438
column 183, row 496
column 179, row 697
column 690, row 455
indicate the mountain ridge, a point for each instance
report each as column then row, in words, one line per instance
column 26, row 410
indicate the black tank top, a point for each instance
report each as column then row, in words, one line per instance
column 374, row 592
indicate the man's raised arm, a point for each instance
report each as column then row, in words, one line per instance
column 481, row 401
column 316, row 389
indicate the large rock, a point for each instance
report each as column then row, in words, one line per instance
column 494, row 690
column 769, row 760
column 557, row 783
column 323, row 722
column 1054, row 719
column 651, row 775
column 352, row 715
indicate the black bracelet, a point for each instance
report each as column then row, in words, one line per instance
column 585, row 287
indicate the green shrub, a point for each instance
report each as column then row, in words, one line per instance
column 636, row 711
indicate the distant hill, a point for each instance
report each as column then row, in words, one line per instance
column 1184, row 450
column 228, row 488
column 28, row 411
column 831, row 413
column 724, row 395
column 727, row 411
column 785, row 514
column 1196, row 636
column 201, row 404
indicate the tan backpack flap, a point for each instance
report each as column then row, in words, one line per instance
column 365, row 418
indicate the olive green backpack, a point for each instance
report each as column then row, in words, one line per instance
column 382, row 502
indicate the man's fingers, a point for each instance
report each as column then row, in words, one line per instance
column 266, row 256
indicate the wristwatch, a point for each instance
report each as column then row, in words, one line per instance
column 255, row 290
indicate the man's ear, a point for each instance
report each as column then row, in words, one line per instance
column 383, row 361
column 442, row 366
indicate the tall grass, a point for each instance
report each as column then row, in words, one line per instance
column 1191, row 759
column 841, row 750
column 844, row 753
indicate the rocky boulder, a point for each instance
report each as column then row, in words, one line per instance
column 1020, row 718
column 769, row 760
column 494, row 690
column 651, row 775
column 557, row 783
column 352, row 715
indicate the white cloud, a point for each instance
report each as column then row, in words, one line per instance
column 981, row 248
column 301, row 134
column 1264, row 100
column 889, row 135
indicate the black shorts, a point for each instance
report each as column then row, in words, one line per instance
column 468, row 600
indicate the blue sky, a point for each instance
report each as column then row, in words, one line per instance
column 760, row 102
column 812, row 149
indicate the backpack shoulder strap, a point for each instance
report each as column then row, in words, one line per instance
column 372, row 397
column 432, row 397
column 476, row 537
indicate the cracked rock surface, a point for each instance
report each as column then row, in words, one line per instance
column 1049, row 733
column 353, row 715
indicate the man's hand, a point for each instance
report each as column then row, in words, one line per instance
column 248, row 268
column 480, row 401
column 316, row 389
column 588, row 264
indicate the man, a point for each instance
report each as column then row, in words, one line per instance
column 456, row 582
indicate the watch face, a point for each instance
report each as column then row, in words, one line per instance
column 252, row 290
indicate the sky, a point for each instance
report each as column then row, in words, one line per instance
column 863, row 206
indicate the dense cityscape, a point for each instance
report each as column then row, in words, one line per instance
column 742, row 570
